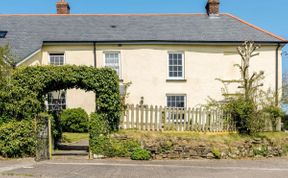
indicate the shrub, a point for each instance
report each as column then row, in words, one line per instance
column 243, row 113
column 102, row 144
column 275, row 113
column 216, row 152
column 74, row 120
column 140, row 154
column 17, row 139
column 120, row 148
column 98, row 131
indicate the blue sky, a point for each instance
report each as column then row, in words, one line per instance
column 267, row 14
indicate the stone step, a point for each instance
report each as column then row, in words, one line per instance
column 70, row 153
column 72, row 147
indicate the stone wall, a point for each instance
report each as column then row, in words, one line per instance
column 190, row 148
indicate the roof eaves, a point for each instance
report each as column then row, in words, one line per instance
column 160, row 42
column 255, row 27
column 179, row 14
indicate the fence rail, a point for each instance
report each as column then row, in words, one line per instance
column 154, row 118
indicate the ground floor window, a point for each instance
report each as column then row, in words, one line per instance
column 176, row 101
column 179, row 102
column 57, row 100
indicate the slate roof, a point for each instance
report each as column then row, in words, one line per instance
column 26, row 33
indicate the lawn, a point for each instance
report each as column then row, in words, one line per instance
column 68, row 137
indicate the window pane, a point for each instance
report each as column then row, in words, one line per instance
column 112, row 60
column 175, row 65
column 176, row 101
column 56, row 59
column 175, row 56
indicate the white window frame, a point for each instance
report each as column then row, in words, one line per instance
column 56, row 53
column 120, row 63
column 183, row 64
column 185, row 99
column 62, row 105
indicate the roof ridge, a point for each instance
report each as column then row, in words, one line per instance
column 255, row 27
column 168, row 14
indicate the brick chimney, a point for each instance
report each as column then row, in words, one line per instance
column 63, row 7
column 212, row 7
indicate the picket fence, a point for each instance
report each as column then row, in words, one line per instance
column 155, row 118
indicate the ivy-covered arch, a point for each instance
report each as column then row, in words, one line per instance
column 23, row 96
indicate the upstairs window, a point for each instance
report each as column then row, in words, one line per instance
column 112, row 59
column 176, row 66
column 56, row 59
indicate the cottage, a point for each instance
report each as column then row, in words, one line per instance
column 171, row 59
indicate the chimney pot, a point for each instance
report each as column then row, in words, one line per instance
column 63, row 7
column 212, row 7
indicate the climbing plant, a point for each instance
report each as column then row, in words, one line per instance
column 24, row 94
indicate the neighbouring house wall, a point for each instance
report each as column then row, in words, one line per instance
column 34, row 60
column 146, row 67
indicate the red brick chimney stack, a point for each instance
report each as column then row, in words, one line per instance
column 63, row 7
column 212, row 7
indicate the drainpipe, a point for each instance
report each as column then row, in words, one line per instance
column 277, row 76
column 95, row 65
column 94, row 52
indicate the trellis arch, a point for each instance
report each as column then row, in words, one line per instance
column 23, row 97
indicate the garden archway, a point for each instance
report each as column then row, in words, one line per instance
column 24, row 96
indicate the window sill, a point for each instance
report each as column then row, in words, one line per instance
column 176, row 80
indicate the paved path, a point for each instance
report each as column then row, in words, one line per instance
column 275, row 168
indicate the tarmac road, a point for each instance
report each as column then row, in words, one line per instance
column 70, row 168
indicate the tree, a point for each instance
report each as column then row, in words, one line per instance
column 7, row 62
column 249, row 83
column 242, row 105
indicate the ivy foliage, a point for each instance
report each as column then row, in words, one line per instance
column 23, row 95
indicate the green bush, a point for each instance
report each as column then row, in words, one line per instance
column 275, row 114
column 74, row 120
column 217, row 153
column 140, row 154
column 17, row 139
column 244, row 115
column 102, row 144
column 98, row 131
column 120, row 148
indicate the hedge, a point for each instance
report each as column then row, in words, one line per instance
column 17, row 139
